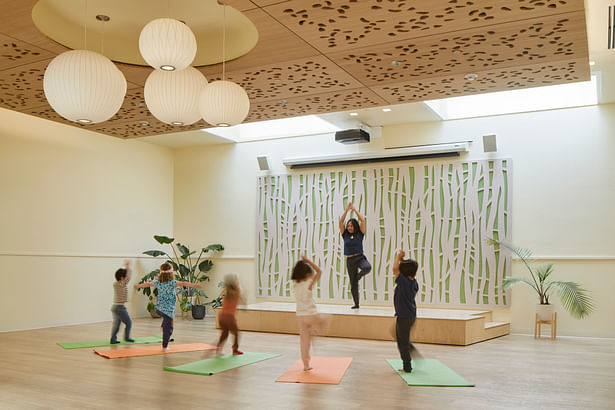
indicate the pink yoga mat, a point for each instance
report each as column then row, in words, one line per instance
column 325, row 370
column 152, row 350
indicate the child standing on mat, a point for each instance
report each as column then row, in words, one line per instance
column 304, row 278
column 165, row 305
column 406, row 287
column 356, row 262
column 228, row 323
column 118, row 309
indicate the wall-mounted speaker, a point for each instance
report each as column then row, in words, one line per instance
column 263, row 162
column 489, row 144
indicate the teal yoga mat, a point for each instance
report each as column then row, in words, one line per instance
column 220, row 364
column 429, row 372
column 105, row 342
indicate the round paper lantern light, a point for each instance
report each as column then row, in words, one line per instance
column 173, row 97
column 84, row 86
column 224, row 103
column 167, row 44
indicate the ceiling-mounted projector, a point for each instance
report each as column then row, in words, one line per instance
column 354, row 136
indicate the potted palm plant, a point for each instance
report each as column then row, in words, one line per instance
column 573, row 297
column 187, row 269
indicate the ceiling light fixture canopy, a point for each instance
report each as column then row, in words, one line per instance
column 84, row 86
column 173, row 97
column 167, row 44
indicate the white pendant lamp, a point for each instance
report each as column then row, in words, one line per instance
column 224, row 103
column 84, row 86
column 173, row 97
column 167, row 44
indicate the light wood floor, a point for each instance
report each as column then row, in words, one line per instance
column 511, row 372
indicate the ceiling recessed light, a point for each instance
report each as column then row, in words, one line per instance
column 144, row 123
column 456, row 51
column 167, row 68
column 395, row 63
column 177, row 123
column 84, row 121
column 354, row 114
column 471, row 76
column 386, row 109
column 140, row 105
column 283, row 101
column 592, row 63
column 102, row 17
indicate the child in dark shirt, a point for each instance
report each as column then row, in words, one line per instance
column 406, row 288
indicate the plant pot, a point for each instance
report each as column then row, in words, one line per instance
column 545, row 312
column 198, row 311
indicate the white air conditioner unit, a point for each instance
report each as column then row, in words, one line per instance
column 396, row 154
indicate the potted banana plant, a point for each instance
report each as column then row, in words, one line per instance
column 187, row 269
column 573, row 297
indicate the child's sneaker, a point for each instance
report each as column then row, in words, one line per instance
column 129, row 340
column 237, row 352
column 306, row 368
column 114, row 342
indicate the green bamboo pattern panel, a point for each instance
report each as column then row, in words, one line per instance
column 439, row 213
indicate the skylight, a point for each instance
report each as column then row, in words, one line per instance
column 285, row 127
column 514, row 101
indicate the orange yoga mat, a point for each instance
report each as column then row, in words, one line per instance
column 325, row 370
column 152, row 350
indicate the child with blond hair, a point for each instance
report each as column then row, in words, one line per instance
column 227, row 321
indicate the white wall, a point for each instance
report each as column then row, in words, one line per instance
column 563, row 196
column 74, row 204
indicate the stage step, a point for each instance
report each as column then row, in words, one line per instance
column 441, row 326
column 496, row 329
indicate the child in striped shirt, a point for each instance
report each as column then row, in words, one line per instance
column 120, row 297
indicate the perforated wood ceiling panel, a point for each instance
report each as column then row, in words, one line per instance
column 327, row 56
column 298, row 78
column 344, row 25
column 315, row 104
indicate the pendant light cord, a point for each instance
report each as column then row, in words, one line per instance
column 223, row 41
column 85, row 26
column 102, row 46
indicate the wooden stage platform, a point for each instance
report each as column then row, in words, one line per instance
column 440, row 326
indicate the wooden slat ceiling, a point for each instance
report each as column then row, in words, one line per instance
column 327, row 56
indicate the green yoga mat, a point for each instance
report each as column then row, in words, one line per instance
column 105, row 342
column 429, row 372
column 220, row 364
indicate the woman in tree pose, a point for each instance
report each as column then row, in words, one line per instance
column 353, row 232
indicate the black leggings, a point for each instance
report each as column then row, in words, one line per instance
column 354, row 263
column 167, row 328
column 402, row 333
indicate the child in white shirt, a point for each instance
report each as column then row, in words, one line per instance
column 304, row 278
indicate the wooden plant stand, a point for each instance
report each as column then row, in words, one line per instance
column 552, row 322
